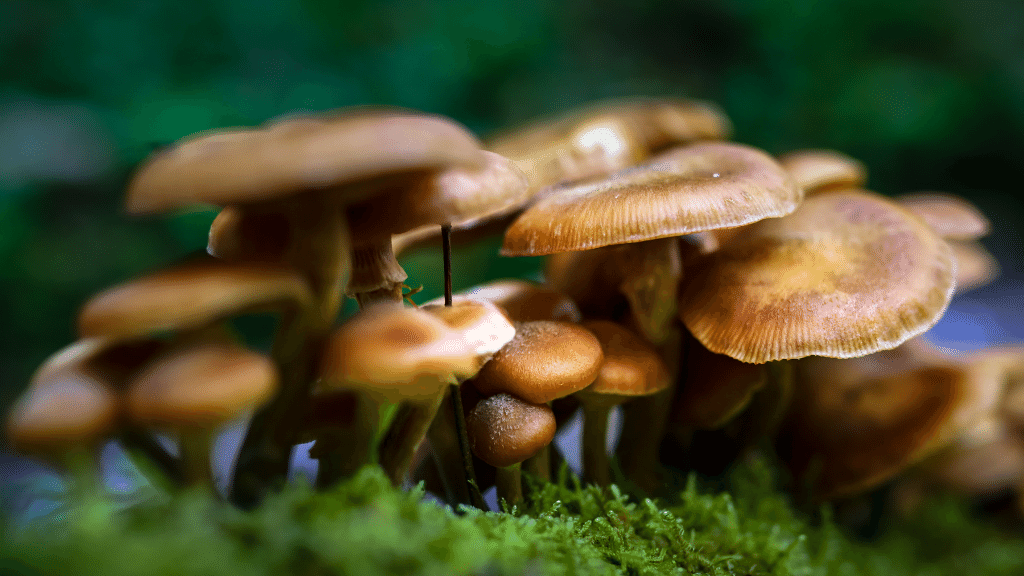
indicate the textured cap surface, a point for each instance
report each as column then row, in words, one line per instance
column 849, row 273
column 504, row 430
column 682, row 191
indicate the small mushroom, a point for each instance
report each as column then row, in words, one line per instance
column 952, row 217
column 822, row 170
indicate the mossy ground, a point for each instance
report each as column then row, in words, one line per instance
column 364, row 526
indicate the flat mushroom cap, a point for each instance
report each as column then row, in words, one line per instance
column 849, row 273
column 201, row 385
column 819, row 170
column 951, row 216
column 296, row 154
column 546, row 360
column 504, row 430
column 481, row 324
column 682, row 191
column 190, row 295
column 395, row 353
column 525, row 301
column 69, row 409
column 631, row 367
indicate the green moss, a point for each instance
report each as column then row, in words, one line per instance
column 366, row 527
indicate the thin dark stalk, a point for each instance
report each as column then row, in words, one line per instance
column 446, row 247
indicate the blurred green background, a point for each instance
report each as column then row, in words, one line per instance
column 929, row 93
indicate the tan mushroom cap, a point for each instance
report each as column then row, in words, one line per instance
column 975, row 266
column 201, row 385
column 682, row 191
column 482, row 325
column 504, row 430
column 396, row 354
column 296, row 154
column 950, row 216
column 190, row 295
column 849, row 273
column 546, row 360
column 819, row 170
column 716, row 388
column 527, row 301
column 631, row 366
column 248, row 234
column 69, row 410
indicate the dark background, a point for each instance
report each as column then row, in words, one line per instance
column 928, row 93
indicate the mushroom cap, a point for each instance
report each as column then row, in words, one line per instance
column 504, row 430
column 482, row 325
column 248, row 234
column 820, row 170
column 682, row 191
column 458, row 196
column 951, row 216
column 527, row 301
column 989, row 459
column 545, row 360
column 201, row 385
column 68, row 410
column 190, row 295
column 975, row 266
column 395, row 353
column 849, row 273
column 716, row 388
column 294, row 154
column 631, row 366
column 101, row 359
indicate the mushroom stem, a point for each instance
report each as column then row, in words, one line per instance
column 407, row 431
column 446, row 248
column 475, row 497
column 595, row 443
column 540, row 464
column 376, row 274
column 509, row 484
column 156, row 459
column 342, row 453
column 195, row 457
column 445, row 449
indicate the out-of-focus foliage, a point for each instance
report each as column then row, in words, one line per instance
column 367, row 527
column 927, row 92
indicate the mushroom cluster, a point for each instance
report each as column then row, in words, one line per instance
column 699, row 284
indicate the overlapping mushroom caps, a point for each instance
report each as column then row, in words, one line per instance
column 847, row 274
column 820, row 170
column 607, row 136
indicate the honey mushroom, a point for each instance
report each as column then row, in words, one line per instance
column 504, row 431
column 822, row 170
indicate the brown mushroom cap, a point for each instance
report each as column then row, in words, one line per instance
column 189, row 295
column 847, row 274
column 950, row 216
column 716, row 388
column 482, row 326
column 545, row 360
column 68, row 410
column 298, row 153
column 201, row 385
column 988, row 459
column 820, row 170
column 249, row 234
column 504, row 430
column 396, row 354
column 631, row 366
column 682, row 191
column 526, row 301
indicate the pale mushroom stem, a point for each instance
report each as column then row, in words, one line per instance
column 407, row 431
column 595, row 442
column 508, row 482
column 376, row 274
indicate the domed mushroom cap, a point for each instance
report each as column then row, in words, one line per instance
column 504, row 430
column 68, row 410
column 631, row 366
column 819, row 170
column 950, row 216
column 201, row 385
column 482, row 326
column 396, row 354
column 299, row 153
column 682, row 191
column 975, row 266
column 546, row 360
column 527, row 301
column 189, row 295
column 849, row 273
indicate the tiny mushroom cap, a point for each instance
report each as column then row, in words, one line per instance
column 504, row 430
column 482, row 325
column 201, row 385
column 682, row 191
column 68, row 410
column 975, row 266
column 631, row 367
column 190, row 295
column 951, row 216
column 396, row 354
column 849, row 273
column 525, row 301
column 820, row 170
column 290, row 155
column 546, row 360
column 716, row 388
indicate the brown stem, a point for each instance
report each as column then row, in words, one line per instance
column 444, row 447
column 595, row 447
column 140, row 445
column 475, row 497
column 195, row 456
column 407, row 431
column 540, row 464
column 509, row 484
